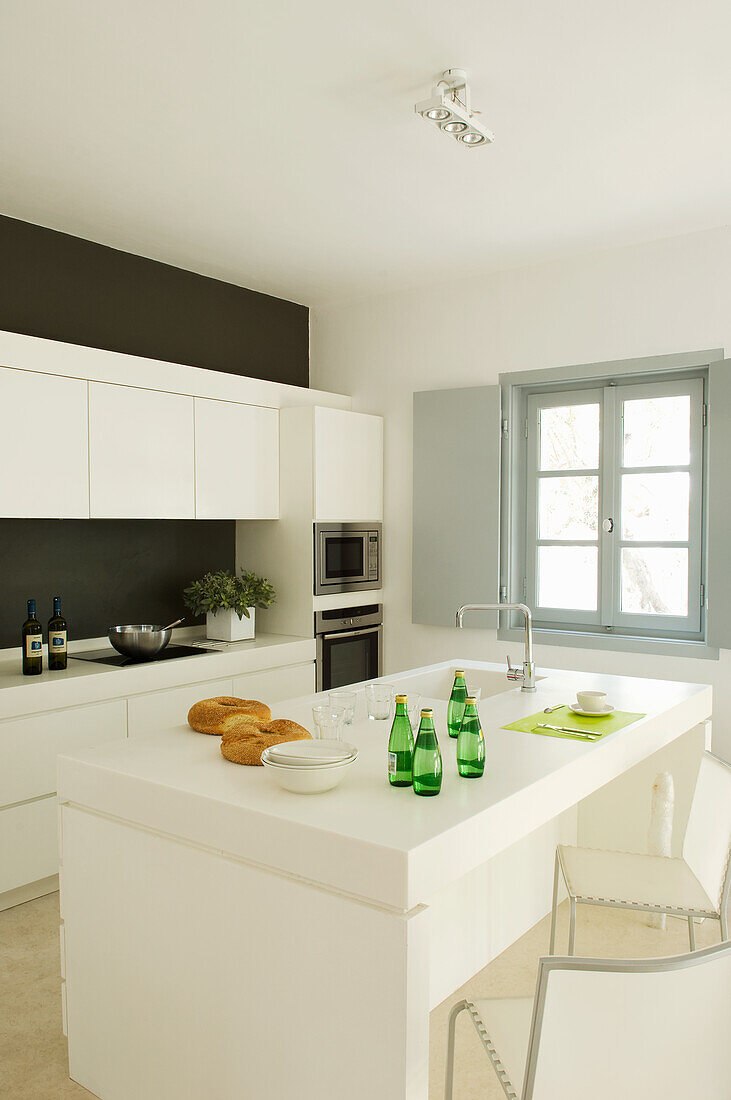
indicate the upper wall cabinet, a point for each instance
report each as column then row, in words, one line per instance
column 236, row 460
column 348, row 466
column 43, row 446
column 140, row 453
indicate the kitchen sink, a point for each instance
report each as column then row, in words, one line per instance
column 437, row 683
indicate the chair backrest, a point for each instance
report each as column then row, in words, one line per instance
column 708, row 836
column 634, row 1028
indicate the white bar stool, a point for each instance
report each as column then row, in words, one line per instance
column 697, row 885
column 609, row 1028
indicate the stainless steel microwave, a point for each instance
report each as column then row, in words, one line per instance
column 347, row 557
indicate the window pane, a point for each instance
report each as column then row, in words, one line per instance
column 568, row 507
column 654, row 581
column 655, row 507
column 657, row 431
column 567, row 577
column 569, row 438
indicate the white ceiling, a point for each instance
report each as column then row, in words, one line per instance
column 274, row 145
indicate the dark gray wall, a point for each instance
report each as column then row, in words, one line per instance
column 106, row 571
column 63, row 288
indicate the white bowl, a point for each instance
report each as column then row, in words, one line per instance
column 307, row 780
column 311, row 753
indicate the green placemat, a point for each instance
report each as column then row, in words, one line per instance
column 566, row 717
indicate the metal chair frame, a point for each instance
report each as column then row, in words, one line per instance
column 546, row 965
column 619, row 903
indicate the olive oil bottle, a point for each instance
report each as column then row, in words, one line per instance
column 57, row 638
column 32, row 642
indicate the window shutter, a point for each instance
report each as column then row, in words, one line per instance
column 718, row 588
column 456, row 517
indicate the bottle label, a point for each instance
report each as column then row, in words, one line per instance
column 57, row 641
column 392, row 759
column 33, row 645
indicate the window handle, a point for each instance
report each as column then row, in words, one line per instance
column 608, row 525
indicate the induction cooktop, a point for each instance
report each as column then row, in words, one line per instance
column 111, row 657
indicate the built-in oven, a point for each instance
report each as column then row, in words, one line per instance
column 349, row 644
column 347, row 557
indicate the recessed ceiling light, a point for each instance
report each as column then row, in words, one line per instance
column 451, row 109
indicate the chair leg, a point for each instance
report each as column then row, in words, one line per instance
column 691, row 933
column 449, row 1082
column 554, row 907
column 572, row 925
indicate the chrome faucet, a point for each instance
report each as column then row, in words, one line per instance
column 527, row 671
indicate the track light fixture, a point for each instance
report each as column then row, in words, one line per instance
column 450, row 108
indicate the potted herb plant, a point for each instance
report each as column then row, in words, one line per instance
column 229, row 602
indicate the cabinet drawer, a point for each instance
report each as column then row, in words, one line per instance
column 274, row 684
column 149, row 713
column 28, row 843
column 29, row 746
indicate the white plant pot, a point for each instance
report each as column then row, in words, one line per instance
column 226, row 626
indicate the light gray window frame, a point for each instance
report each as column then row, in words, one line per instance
column 514, row 387
column 536, row 402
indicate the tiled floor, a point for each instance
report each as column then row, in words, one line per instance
column 33, row 1050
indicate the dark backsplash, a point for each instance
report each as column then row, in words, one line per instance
column 64, row 288
column 106, row 571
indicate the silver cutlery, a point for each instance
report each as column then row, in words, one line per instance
column 550, row 710
column 582, row 735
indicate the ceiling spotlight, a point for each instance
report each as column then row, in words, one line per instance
column 450, row 107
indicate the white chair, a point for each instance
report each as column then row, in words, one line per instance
column 655, row 1029
column 693, row 887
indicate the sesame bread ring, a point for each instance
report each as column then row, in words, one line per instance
column 208, row 715
column 247, row 748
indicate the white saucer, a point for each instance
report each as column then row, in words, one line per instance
column 591, row 713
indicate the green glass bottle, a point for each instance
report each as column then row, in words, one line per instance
column 32, row 635
column 400, row 746
column 57, row 638
column 471, row 743
column 426, row 769
column 455, row 710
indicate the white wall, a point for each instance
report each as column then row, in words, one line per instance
column 668, row 296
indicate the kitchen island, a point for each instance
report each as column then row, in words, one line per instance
column 224, row 938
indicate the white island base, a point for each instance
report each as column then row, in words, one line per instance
column 225, row 939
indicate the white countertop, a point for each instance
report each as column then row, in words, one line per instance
column 367, row 838
column 86, row 682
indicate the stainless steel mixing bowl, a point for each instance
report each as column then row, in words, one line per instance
column 140, row 641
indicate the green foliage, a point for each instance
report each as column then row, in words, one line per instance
column 223, row 590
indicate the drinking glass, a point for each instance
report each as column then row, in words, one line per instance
column 328, row 722
column 413, row 706
column 380, row 701
column 476, row 693
column 346, row 700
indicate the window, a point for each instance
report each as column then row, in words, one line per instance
column 610, row 486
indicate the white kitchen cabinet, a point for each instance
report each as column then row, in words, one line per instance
column 274, row 684
column 29, row 746
column 146, row 714
column 236, row 461
column 348, row 456
column 43, row 446
column 140, row 453
column 28, row 843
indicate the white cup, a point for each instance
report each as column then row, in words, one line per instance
column 591, row 700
